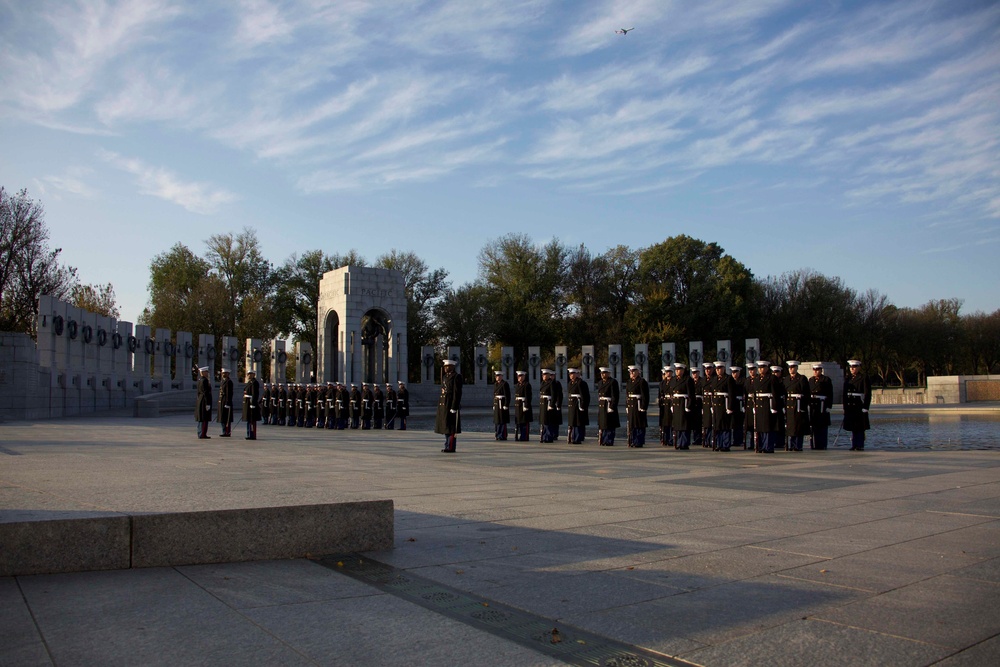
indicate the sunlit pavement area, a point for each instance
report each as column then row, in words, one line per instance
column 794, row 558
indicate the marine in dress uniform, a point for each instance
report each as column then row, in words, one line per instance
column 636, row 405
column 663, row 403
column 449, row 410
column 738, row 420
column 301, row 405
column 550, row 399
column 820, row 401
column 355, row 406
column 501, row 405
column 857, row 401
column 749, row 428
column 378, row 407
column 695, row 418
column 402, row 404
column 265, row 403
column 682, row 407
column 608, row 418
column 796, row 407
column 203, row 404
column 367, row 406
column 723, row 409
column 390, row 407
column 283, row 405
column 707, row 392
column 226, row 404
column 577, row 407
column 251, row 404
column 523, row 414
column 766, row 408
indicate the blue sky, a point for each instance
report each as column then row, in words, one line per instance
column 859, row 139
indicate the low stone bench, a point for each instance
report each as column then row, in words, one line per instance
column 121, row 541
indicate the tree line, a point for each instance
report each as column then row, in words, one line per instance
column 525, row 293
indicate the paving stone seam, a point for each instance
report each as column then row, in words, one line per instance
column 878, row 632
column 34, row 622
column 242, row 614
column 967, row 648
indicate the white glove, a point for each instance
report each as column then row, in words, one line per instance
column 864, row 410
column 729, row 412
column 774, row 412
column 452, row 411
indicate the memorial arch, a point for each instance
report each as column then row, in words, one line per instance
column 361, row 326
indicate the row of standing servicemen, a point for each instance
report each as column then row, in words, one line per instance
column 717, row 409
column 331, row 406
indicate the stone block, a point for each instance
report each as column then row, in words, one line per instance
column 261, row 533
column 64, row 545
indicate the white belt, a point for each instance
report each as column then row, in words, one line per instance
column 764, row 395
column 635, row 395
column 680, row 395
column 855, row 395
column 796, row 395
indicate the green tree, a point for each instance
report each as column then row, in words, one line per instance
column 691, row 290
column 28, row 268
column 98, row 299
column 424, row 290
column 250, row 282
column 463, row 321
column 525, row 290
column 297, row 297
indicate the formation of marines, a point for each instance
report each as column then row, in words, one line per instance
column 715, row 407
column 330, row 406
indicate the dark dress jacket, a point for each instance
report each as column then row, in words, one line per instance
column 578, row 406
column 501, row 402
column 857, row 400
column 820, row 400
column 550, row 399
column 203, row 402
column 608, row 395
column 796, row 405
column 637, row 402
column 523, row 413
column 226, row 401
column 449, row 410
column 251, row 401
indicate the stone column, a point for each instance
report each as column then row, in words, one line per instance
column 615, row 361
column 752, row 354
column 482, row 361
column 142, row 358
column 427, row 364
column 122, row 364
column 642, row 359
column 255, row 357
column 668, row 354
column 507, row 364
column 534, row 365
column 303, row 362
column 229, row 357
column 46, row 343
column 588, row 360
column 207, row 352
column 696, row 353
column 724, row 352
column 161, row 360
column 184, row 362
column 561, row 363
column 279, row 361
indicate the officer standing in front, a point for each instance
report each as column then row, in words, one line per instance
column 550, row 398
column 636, row 404
column 226, row 404
column 203, row 404
column 449, row 410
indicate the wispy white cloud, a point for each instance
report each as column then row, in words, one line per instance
column 196, row 197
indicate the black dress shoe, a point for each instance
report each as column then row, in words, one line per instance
column 448, row 451
column 225, row 435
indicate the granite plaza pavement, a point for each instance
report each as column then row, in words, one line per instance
column 810, row 558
